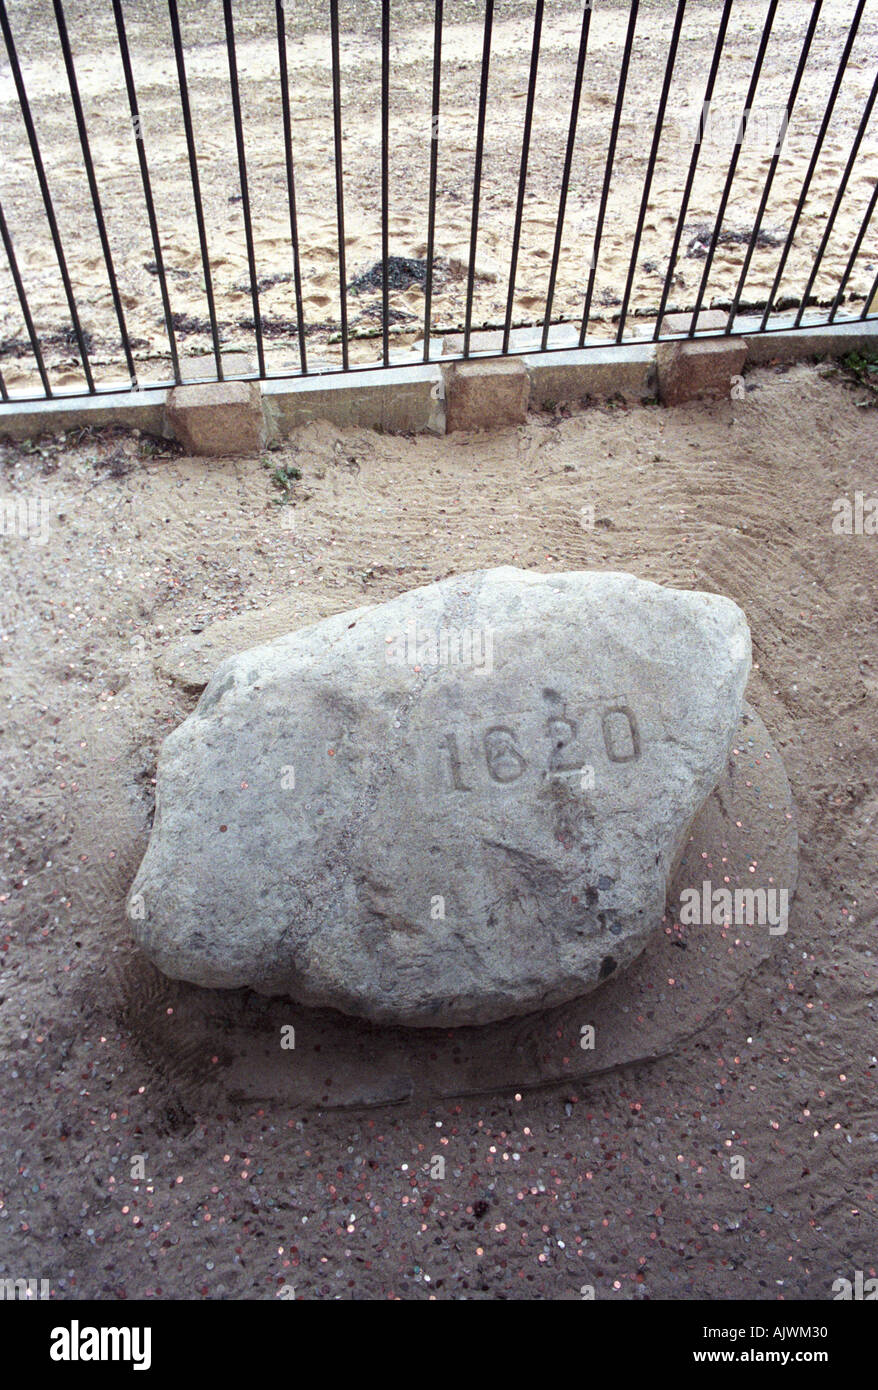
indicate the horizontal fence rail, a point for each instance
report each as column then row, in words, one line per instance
column 219, row 190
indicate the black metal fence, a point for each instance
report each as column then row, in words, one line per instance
column 506, row 177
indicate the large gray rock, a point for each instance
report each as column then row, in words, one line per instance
column 451, row 808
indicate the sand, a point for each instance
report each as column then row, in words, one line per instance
column 114, row 151
column 623, row 1182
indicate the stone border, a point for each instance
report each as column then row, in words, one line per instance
column 141, row 410
column 397, row 400
column 488, row 391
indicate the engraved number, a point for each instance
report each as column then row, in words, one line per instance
column 505, row 763
column 562, row 732
column 621, row 734
column 450, row 743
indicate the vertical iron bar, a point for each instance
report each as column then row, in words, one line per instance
column 733, row 163
column 339, row 185
column 434, row 156
column 196, row 184
column 291, row 179
column 46, row 196
column 693, row 162
column 242, row 174
column 93, row 186
column 869, row 299
column 854, row 253
column 763, row 202
column 608, row 172
column 833, row 213
column 522, row 174
column 812, row 165
column 385, row 177
column 650, row 169
column 22, row 299
column 147, row 187
column 4, row 394
column 477, row 176
column 568, row 163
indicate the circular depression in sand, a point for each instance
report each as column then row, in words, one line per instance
column 223, row 1048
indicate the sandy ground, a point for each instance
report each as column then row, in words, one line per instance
column 623, row 1183
column 113, row 146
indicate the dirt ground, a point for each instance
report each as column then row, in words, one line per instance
column 99, row 71
column 624, row 1183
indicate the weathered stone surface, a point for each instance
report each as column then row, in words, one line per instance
column 201, row 370
column 709, row 321
column 488, row 393
column 190, row 661
column 217, row 418
column 408, row 399
column 591, row 374
column 561, row 335
column 701, row 367
column 135, row 410
column 356, row 819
